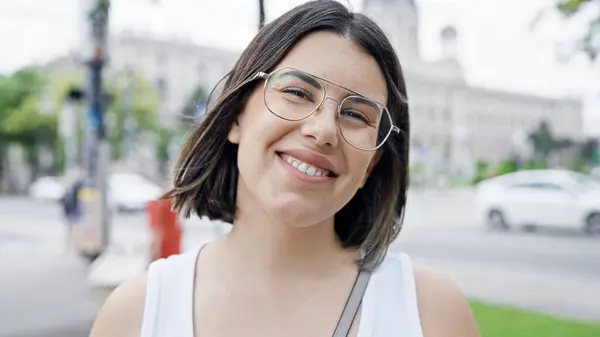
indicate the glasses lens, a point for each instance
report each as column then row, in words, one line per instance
column 292, row 94
column 363, row 123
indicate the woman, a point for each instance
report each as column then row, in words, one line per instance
column 305, row 152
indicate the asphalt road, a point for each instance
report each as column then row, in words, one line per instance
column 44, row 290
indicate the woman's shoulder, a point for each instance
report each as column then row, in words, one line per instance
column 443, row 308
column 123, row 311
column 122, row 314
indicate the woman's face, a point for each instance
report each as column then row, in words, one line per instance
column 275, row 155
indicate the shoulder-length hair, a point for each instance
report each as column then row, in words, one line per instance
column 206, row 174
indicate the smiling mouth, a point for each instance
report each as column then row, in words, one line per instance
column 306, row 168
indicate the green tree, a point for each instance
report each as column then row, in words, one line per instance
column 590, row 42
column 25, row 119
column 543, row 141
column 505, row 167
column 482, row 168
column 20, row 95
column 587, row 151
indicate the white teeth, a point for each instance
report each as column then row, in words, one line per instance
column 305, row 168
column 302, row 167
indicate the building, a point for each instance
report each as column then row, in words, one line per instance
column 176, row 68
column 454, row 124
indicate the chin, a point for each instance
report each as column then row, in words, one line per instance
column 298, row 212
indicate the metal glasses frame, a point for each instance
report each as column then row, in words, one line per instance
column 383, row 108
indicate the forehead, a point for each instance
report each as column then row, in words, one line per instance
column 338, row 60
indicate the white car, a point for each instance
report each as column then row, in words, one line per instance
column 132, row 191
column 46, row 189
column 554, row 198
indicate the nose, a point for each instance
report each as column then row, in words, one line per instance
column 321, row 126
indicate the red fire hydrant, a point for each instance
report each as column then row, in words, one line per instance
column 165, row 230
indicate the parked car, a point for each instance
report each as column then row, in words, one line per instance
column 46, row 189
column 554, row 198
column 130, row 192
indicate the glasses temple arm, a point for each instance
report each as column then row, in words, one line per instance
column 260, row 74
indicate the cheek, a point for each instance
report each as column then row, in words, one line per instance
column 359, row 162
column 259, row 128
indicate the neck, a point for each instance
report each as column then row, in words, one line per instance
column 262, row 242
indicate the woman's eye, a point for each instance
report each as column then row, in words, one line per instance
column 356, row 115
column 296, row 92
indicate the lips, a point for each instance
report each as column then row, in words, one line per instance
column 305, row 168
column 309, row 163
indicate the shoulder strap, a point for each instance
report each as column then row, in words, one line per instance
column 352, row 305
column 152, row 296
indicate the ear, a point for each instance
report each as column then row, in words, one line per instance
column 234, row 133
column 374, row 161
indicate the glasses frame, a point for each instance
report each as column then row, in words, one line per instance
column 383, row 108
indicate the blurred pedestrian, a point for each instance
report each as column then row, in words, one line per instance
column 305, row 153
column 71, row 204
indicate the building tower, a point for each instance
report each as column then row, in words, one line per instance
column 449, row 38
column 399, row 20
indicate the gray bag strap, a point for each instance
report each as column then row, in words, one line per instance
column 352, row 305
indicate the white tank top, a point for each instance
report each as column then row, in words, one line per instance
column 389, row 306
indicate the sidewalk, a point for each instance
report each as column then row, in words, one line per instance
column 128, row 255
column 44, row 294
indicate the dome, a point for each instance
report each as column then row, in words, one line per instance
column 449, row 33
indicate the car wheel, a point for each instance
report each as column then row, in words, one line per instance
column 592, row 223
column 496, row 220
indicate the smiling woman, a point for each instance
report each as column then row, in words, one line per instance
column 305, row 153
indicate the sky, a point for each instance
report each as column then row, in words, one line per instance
column 497, row 47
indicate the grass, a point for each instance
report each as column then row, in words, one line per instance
column 499, row 321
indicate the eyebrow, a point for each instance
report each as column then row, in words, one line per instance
column 352, row 92
column 310, row 79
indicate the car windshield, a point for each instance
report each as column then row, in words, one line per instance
column 583, row 182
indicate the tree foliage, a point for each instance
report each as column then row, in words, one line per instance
column 31, row 101
column 542, row 140
column 590, row 42
column 21, row 117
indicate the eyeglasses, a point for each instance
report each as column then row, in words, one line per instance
column 295, row 95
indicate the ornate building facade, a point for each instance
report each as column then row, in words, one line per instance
column 452, row 123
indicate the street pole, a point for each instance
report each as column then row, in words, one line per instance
column 96, row 206
column 128, row 118
column 68, row 128
column 261, row 14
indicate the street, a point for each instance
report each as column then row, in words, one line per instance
column 45, row 288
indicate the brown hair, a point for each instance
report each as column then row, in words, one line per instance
column 205, row 180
